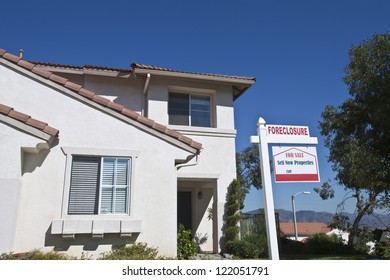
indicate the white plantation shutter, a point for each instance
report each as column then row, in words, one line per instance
column 108, row 171
column 122, row 167
column 84, row 185
column 121, row 200
column 114, row 186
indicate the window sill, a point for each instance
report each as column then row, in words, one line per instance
column 97, row 227
column 204, row 131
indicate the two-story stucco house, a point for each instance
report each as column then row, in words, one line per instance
column 94, row 157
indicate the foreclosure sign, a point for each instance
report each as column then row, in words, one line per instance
column 291, row 164
column 295, row 164
column 287, row 130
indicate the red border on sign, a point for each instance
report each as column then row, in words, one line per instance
column 296, row 177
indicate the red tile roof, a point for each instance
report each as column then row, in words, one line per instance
column 304, row 229
column 76, row 67
column 37, row 69
column 26, row 119
column 137, row 66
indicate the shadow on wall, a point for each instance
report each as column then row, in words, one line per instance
column 32, row 160
column 86, row 240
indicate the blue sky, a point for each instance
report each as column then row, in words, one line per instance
column 297, row 50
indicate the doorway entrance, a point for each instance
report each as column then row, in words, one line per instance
column 184, row 207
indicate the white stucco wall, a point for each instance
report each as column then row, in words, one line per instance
column 217, row 159
column 126, row 91
column 221, row 99
column 11, row 143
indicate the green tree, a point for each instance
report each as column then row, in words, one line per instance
column 357, row 132
column 248, row 170
column 232, row 211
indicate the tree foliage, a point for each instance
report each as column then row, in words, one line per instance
column 186, row 247
column 248, row 169
column 232, row 211
column 357, row 132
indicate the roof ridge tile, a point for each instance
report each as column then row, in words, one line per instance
column 73, row 86
column 185, row 139
column 19, row 116
column 36, row 123
column 26, row 64
column 101, row 100
column 51, row 131
column 41, row 72
column 160, row 127
column 11, row 57
column 146, row 121
column 87, row 93
column 115, row 106
column 58, row 79
column 4, row 109
column 28, row 120
column 130, row 113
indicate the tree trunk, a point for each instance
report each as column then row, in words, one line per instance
column 361, row 212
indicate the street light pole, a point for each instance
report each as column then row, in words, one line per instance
column 294, row 215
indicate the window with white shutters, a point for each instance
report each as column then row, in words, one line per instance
column 99, row 185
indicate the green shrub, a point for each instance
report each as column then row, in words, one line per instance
column 320, row 243
column 199, row 240
column 242, row 249
column 8, row 256
column 36, row 255
column 382, row 250
column 39, row 255
column 137, row 251
column 186, row 247
column 259, row 241
column 292, row 247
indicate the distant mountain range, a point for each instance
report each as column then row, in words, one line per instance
column 371, row 221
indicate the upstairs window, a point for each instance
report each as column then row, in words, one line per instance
column 189, row 109
column 99, row 185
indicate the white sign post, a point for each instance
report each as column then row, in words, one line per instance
column 275, row 134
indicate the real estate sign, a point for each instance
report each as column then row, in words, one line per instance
column 295, row 164
column 291, row 164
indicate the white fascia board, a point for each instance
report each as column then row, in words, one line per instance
column 107, row 73
column 80, row 71
column 204, row 131
column 61, row 70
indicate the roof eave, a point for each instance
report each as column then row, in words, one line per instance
column 88, row 71
column 205, row 77
column 49, row 139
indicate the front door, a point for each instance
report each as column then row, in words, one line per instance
column 184, row 209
